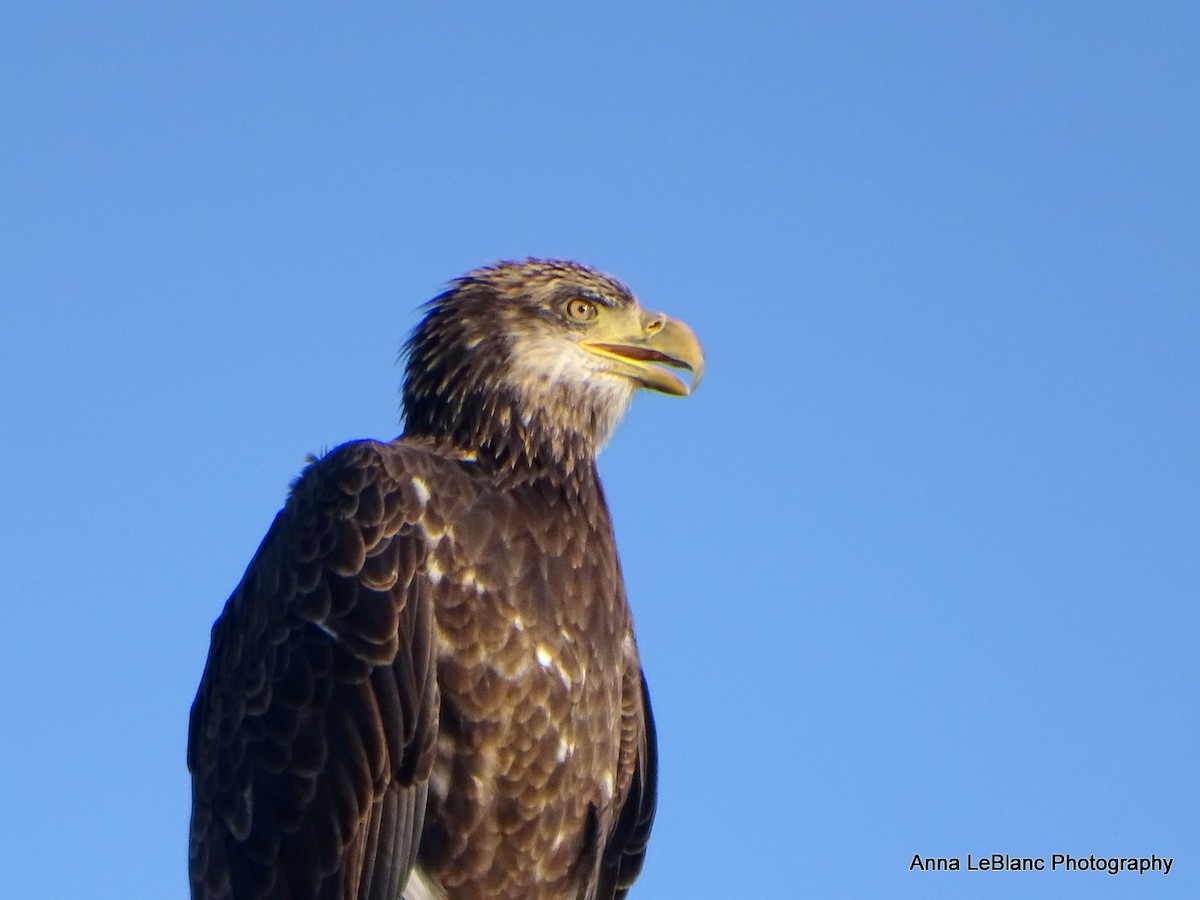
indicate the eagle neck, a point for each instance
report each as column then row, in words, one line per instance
column 503, row 442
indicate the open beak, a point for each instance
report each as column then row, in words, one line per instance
column 644, row 357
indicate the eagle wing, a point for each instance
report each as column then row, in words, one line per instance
column 625, row 851
column 313, row 731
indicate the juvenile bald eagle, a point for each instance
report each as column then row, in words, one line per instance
column 426, row 684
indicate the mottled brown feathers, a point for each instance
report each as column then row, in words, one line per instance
column 427, row 675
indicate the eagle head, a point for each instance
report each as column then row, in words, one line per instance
column 534, row 363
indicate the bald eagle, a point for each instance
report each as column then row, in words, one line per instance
column 426, row 684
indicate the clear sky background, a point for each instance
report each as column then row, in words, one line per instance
column 915, row 571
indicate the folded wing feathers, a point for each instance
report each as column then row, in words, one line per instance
column 316, row 713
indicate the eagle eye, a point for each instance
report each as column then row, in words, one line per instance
column 580, row 309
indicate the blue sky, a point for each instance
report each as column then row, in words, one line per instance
column 915, row 571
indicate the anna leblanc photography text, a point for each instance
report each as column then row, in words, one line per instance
column 1002, row 862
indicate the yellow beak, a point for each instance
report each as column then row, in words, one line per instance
column 656, row 342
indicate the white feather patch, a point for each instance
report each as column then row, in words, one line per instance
column 421, row 489
column 549, row 366
column 418, row 888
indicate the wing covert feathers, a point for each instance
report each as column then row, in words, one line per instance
column 314, row 727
